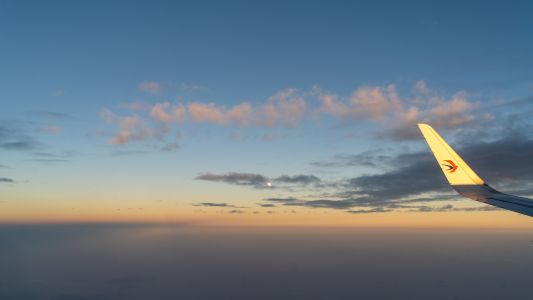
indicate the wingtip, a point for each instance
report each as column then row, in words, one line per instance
column 420, row 125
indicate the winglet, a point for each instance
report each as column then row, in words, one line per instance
column 454, row 167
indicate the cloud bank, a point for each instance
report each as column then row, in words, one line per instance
column 394, row 115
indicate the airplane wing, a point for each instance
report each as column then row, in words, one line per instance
column 465, row 181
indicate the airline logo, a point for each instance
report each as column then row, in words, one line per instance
column 450, row 166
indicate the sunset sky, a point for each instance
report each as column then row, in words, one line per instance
column 293, row 113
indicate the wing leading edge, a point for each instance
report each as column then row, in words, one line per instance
column 465, row 181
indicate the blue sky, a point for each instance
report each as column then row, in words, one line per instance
column 342, row 78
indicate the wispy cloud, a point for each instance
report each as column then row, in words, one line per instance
column 53, row 129
column 6, row 180
column 13, row 136
column 151, row 87
column 214, row 204
column 132, row 128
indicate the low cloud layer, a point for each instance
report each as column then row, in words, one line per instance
column 260, row 181
column 408, row 181
column 213, row 204
column 6, row 180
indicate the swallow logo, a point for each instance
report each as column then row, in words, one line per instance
column 450, row 165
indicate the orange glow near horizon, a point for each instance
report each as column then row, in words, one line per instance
column 166, row 213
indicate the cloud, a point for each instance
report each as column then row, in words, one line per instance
column 135, row 106
column 404, row 182
column 261, row 181
column 240, row 114
column 296, row 179
column 107, row 115
column 207, row 113
column 13, row 137
column 449, row 207
column 321, row 203
column 287, row 107
column 212, row 204
column 132, row 128
column 151, row 87
column 394, row 116
column 6, row 180
column 53, row 129
column 397, row 116
column 235, row 178
column 160, row 113
column 369, row 211
column 373, row 103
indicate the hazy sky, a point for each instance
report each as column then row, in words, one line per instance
column 253, row 112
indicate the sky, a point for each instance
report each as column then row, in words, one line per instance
column 261, row 113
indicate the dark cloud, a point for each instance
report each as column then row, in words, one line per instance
column 261, row 181
column 297, row 179
column 213, row 204
column 249, row 179
column 14, row 137
column 370, row 211
column 21, row 143
column 266, row 205
column 449, row 207
column 406, row 179
column 7, row 180
column 506, row 163
column 322, row 203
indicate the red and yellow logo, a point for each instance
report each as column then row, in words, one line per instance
column 450, row 166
